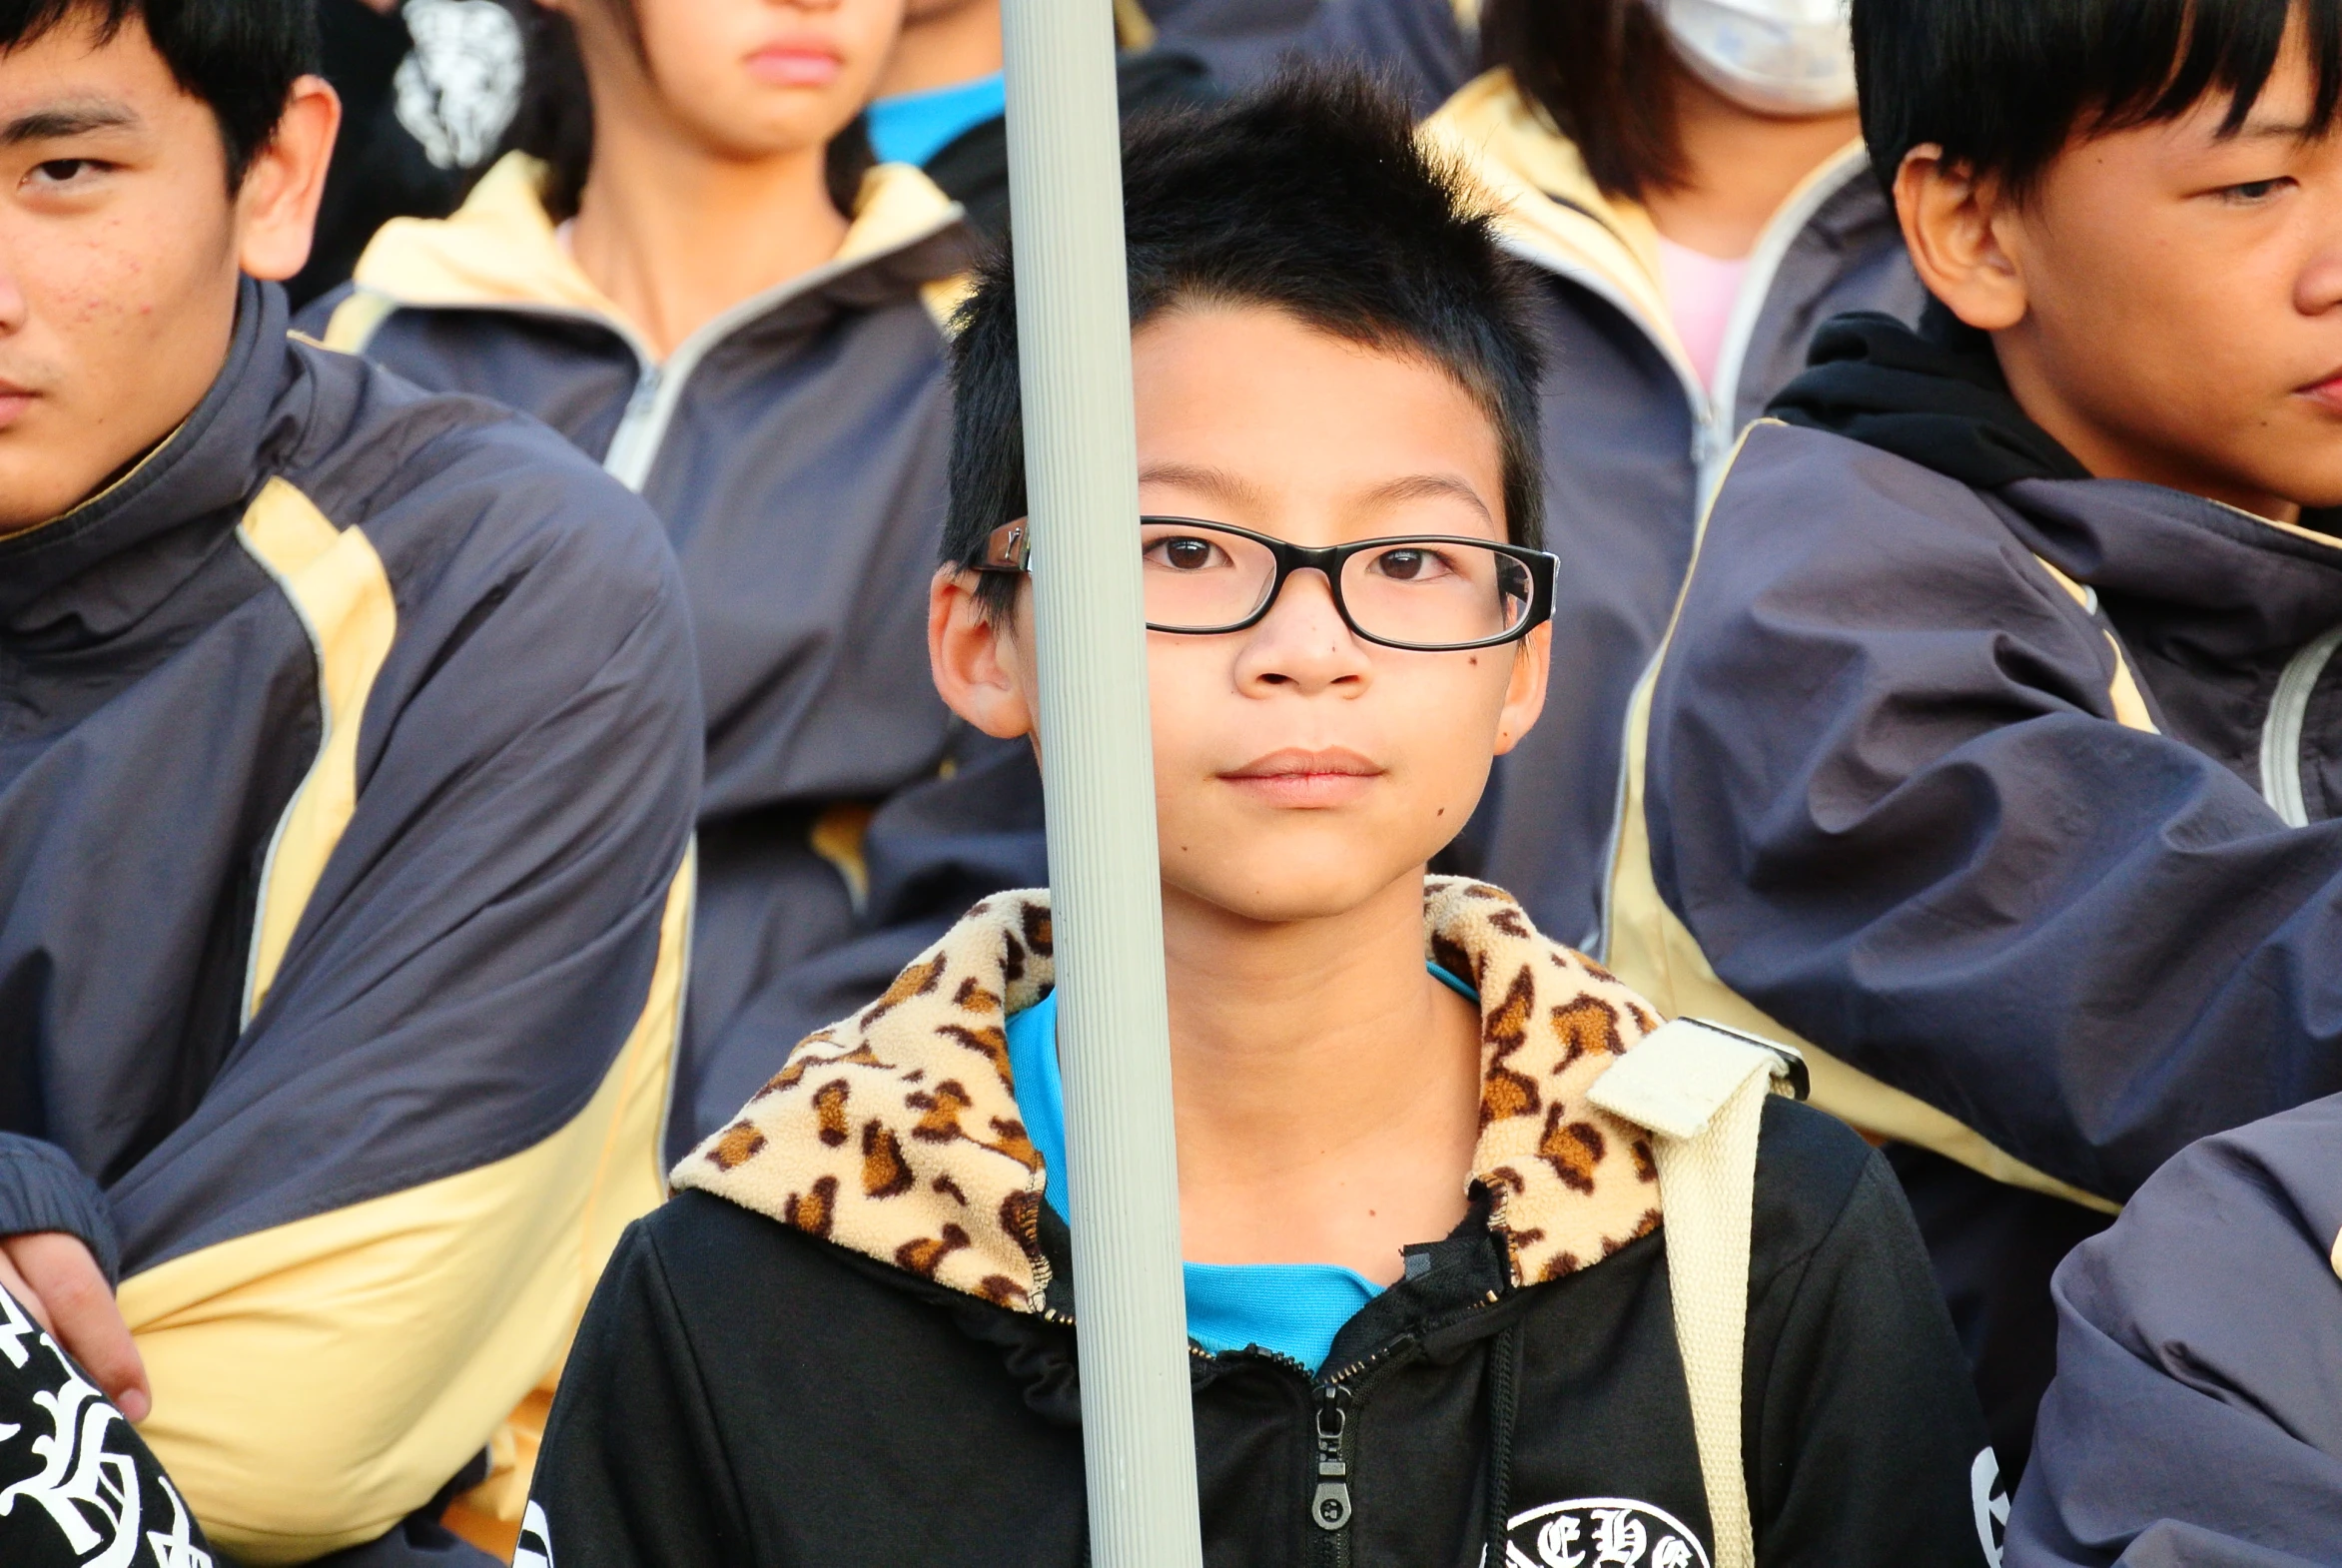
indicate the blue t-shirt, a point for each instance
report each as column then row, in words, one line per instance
column 1294, row 1310
column 911, row 128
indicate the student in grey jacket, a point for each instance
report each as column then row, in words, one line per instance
column 1995, row 750
column 347, row 757
column 691, row 306
column 1690, row 222
column 2197, row 1412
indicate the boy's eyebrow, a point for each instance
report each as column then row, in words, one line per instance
column 1430, row 486
column 61, row 119
column 2261, row 128
column 1225, row 487
column 1217, row 482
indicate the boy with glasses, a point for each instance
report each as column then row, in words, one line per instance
column 1429, row 1275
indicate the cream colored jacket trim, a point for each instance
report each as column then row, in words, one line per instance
column 501, row 247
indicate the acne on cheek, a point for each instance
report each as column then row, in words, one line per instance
column 107, row 273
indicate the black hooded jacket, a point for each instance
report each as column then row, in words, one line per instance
column 853, row 1338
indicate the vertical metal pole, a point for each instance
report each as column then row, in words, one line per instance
column 1081, row 467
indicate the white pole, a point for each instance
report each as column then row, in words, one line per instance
column 1081, row 470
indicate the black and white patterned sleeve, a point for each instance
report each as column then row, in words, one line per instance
column 78, row 1489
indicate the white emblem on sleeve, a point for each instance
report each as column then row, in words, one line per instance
column 536, row 1539
column 90, row 1494
column 14, row 1328
column 175, row 1547
column 1601, row 1532
column 1991, row 1503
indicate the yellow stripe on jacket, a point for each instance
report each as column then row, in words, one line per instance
column 336, row 584
column 316, row 1382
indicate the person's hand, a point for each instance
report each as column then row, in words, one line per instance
column 60, row 1283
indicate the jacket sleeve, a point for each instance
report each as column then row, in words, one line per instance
column 1891, row 794
column 634, row 1472
column 926, row 856
column 2197, row 1411
column 41, row 1189
column 372, row 1235
column 1864, row 1440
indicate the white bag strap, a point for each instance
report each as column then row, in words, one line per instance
column 1700, row 1089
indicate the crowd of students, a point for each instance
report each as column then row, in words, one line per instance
column 526, row 1023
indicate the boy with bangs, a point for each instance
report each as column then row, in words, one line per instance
column 1429, row 1270
column 1998, row 747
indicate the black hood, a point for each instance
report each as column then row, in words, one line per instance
column 1934, row 397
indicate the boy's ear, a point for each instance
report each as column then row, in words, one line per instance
column 1524, row 697
column 979, row 666
column 277, row 206
column 1960, row 234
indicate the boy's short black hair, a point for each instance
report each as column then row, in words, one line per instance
column 2003, row 85
column 1308, row 195
column 239, row 57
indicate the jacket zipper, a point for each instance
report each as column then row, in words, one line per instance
column 1332, row 1504
column 1329, row 1508
column 1712, row 407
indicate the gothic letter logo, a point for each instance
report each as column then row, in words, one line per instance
column 1601, row 1532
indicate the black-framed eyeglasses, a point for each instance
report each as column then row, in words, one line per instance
column 1424, row 592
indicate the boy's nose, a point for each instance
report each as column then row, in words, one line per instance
column 1304, row 642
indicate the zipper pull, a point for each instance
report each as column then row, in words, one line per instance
column 1330, row 1508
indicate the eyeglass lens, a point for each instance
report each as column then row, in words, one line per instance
column 1428, row 592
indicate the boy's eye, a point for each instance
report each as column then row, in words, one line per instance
column 1409, row 565
column 2251, row 191
column 1186, row 552
column 63, row 171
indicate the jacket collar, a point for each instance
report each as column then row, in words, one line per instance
column 201, row 473
column 895, row 1132
column 501, row 249
column 2202, row 580
column 1551, row 212
column 2243, row 587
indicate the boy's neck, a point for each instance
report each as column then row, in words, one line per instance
column 944, row 49
column 1327, row 1086
column 1739, row 168
column 676, row 234
column 2105, row 453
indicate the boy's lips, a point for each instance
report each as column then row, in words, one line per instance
column 14, row 400
column 796, row 63
column 1295, row 777
column 2327, row 392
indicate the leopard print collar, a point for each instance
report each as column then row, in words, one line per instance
column 896, row 1133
